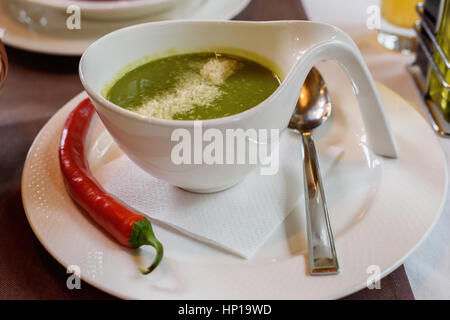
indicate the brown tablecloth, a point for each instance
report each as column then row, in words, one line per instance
column 37, row 86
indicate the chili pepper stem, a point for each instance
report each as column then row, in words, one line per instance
column 143, row 235
column 159, row 254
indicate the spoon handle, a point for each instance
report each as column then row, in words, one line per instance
column 321, row 249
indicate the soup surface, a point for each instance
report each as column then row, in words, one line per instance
column 195, row 86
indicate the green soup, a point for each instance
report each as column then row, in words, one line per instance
column 195, row 86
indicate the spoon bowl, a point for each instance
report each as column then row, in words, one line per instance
column 313, row 105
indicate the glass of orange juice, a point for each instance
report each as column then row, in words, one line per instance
column 398, row 18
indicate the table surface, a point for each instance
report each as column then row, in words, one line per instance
column 37, row 86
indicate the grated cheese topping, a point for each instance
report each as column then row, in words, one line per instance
column 193, row 89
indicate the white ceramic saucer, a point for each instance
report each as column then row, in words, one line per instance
column 59, row 41
column 380, row 214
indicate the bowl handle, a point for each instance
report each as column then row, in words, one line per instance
column 344, row 51
column 3, row 61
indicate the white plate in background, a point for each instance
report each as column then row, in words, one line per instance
column 102, row 10
column 42, row 36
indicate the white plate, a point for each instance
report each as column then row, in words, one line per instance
column 380, row 214
column 31, row 36
column 103, row 10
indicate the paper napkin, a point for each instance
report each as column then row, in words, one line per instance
column 239, row 219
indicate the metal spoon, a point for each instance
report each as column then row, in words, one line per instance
column 313, row 108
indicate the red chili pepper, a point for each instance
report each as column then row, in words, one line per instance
column 127, row 227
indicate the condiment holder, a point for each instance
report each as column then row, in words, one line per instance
column 430, row 46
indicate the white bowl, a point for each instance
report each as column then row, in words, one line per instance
column 103, row 10
column 294, row 46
